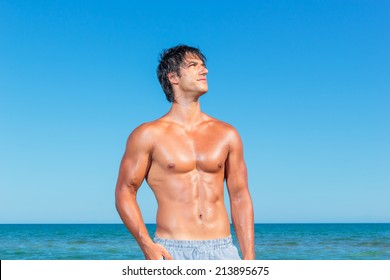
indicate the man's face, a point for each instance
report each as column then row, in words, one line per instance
column 193, row 76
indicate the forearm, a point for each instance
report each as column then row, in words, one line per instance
column 243, row 222
column 131, row 216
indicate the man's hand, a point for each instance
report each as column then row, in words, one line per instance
column 156, row 252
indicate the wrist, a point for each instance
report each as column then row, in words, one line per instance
column 144, row 240
column 249, row 256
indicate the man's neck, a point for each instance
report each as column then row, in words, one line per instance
column 187, row 114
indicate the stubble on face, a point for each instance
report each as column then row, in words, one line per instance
column 196, row 69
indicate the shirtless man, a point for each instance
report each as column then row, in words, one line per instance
column 185, row 157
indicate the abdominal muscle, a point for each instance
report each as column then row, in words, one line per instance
column 190, row 206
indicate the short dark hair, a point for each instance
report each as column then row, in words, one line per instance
column 170, row 62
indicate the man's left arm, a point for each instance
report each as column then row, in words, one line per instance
column 240, row 200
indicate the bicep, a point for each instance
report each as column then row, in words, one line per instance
column 236, row 171
column 135, row 162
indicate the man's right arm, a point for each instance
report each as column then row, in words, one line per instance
column 133, row 169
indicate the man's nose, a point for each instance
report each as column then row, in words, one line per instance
column 203, row 70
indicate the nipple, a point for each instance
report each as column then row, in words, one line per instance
column 171, row 165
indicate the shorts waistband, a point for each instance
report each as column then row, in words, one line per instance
column 219, row 243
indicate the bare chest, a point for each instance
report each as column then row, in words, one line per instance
column 183, row 152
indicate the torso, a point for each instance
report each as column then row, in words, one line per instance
column 186, row 174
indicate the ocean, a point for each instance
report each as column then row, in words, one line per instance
column 272, row 242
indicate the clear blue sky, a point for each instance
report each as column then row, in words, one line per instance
column 306, row 83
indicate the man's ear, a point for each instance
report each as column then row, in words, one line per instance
column 173, row 78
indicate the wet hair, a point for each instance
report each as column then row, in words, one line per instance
column 170, row 62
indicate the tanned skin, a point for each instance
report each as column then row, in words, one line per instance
column 185, row 156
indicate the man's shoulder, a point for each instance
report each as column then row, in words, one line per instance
column 218, row 124
column 148, row 128
column 144, row 135
column 224, row 129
